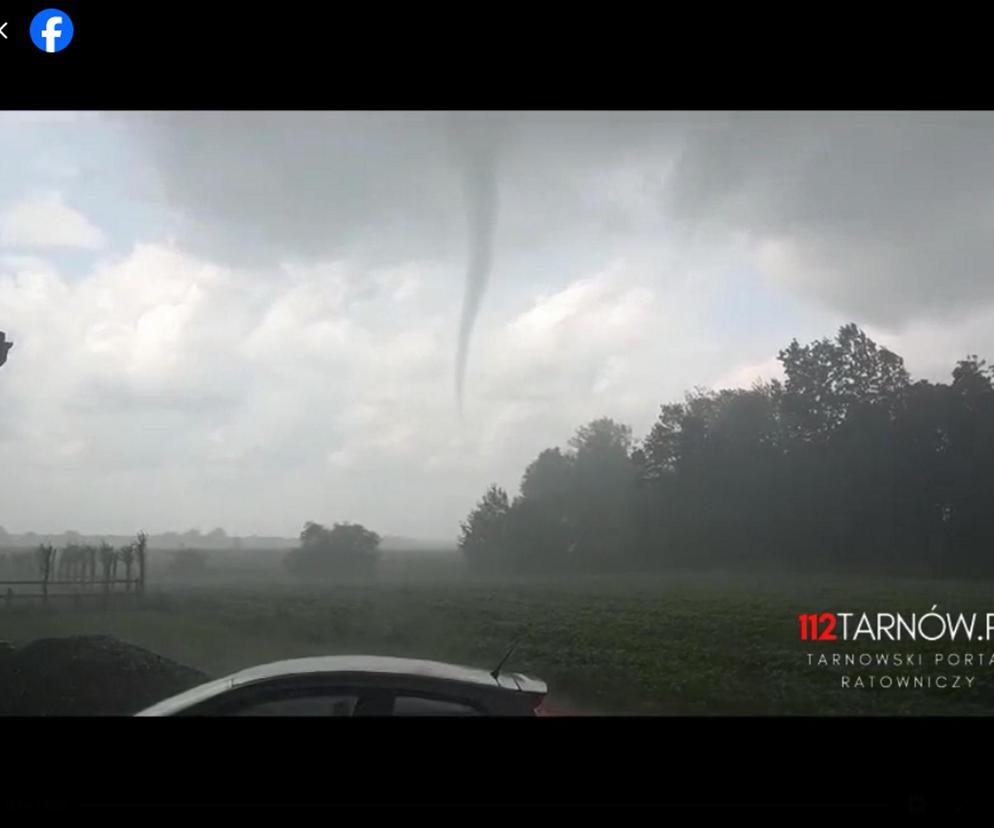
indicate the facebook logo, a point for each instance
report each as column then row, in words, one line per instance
column 51, row 30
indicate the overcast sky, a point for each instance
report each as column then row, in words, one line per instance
column 249, row 320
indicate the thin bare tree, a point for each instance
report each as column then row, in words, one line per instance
column 141, row 549
column 46, row 563
column 107, row 557
column 127, row 554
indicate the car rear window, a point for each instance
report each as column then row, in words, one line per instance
column 423, row 706
column 317, row 705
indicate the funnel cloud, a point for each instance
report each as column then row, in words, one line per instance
column 480, row 182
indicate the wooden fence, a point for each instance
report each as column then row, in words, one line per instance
column 72, row 572
column 78, row 591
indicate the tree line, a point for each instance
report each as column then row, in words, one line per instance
column 85, row 563
column 844, row 464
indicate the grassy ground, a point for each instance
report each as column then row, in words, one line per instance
column 670, row 645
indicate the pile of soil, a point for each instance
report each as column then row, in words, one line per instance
column 91, row 675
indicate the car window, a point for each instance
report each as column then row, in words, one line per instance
column 316, row 705
column 423, row 706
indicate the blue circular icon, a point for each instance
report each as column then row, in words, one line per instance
column 51, row 30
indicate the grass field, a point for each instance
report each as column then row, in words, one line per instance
column 715, row 644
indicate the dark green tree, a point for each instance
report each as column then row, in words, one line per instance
column 483, row 535
column 347, row 550
column 602, row 495
column 844, row 465
column 826, row 378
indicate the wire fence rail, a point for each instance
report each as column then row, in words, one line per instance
column 101, row 590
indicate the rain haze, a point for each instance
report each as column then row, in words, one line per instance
column 583, row 408
column 250, row 320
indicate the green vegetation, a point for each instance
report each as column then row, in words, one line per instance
column 346, row 550
column 715, row 644
column 846, row 465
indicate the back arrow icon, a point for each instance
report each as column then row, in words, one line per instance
column 3, row 34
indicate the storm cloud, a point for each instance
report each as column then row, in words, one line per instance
column 254, row 319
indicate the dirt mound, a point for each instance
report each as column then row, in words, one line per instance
column 87, row 676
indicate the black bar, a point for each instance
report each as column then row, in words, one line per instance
column 320, row 56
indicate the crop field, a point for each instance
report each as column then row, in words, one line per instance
column 677, row 645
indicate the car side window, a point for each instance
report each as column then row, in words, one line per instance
column 313, row 705
column 409, row 705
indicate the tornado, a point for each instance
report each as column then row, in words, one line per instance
column 480, row 188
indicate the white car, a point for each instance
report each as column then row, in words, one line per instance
column 359, row 686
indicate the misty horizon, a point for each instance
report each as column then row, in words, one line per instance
column 216, row 537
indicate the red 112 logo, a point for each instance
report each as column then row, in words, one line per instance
column 816, row 627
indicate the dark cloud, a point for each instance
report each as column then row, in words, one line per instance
column 256, row 187
column 387, row 186
column 886, row 216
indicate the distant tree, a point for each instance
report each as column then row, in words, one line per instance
column 549, row 478
column 345, row 550
column 483, row 535
column 542, row 521
column 923, row 474
column 108, row 560
column 969, row 460
column 89, row 562
column 604, row 437
column 127, row 557
column 46, row 560
column 538, row 537
column 845, row 464
column 601, row 500
column 827, row 378
column 717, row 453
column 141, row 554
column 972, row 378
column 71, row 562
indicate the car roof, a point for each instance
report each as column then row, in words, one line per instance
column 387, row 665
column 349, row 665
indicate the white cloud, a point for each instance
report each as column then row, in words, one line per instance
column 592, row 320
column 45, row 220
column 746, row 376
column 931, row 349
column 160, row 365
column 290, row 356
column 226, row 382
